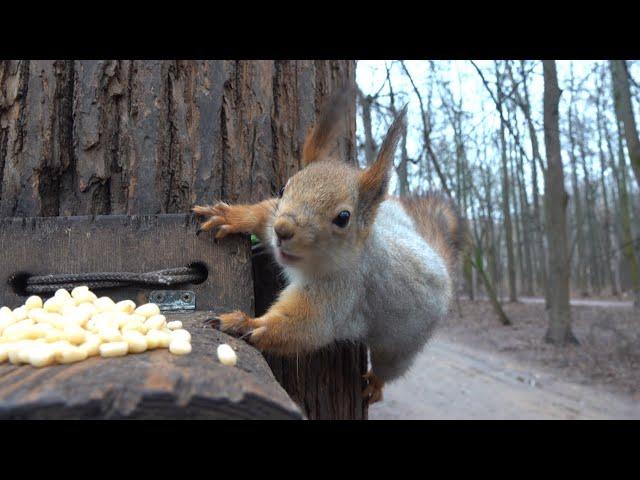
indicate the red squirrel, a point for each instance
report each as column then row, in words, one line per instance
column 361, row 265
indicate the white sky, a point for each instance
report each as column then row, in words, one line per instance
column 466, row 84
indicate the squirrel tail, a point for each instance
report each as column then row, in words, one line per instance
column 439, row 222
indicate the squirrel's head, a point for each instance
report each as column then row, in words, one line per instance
column 326, row 210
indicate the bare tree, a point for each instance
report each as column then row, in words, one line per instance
column 525, row 105
column 426, row 134
column 559, row 331
column 370, row 147
column 506, row 210
column 624, row 112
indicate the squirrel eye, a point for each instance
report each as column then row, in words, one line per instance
column 281, row 192
column 342, row 219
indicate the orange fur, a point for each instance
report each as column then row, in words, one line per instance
column 373, row 391
column 286, row 329
column 304, row 218
column 439, row 223
column 237, row 218
column 322, row 137
column 373, row 183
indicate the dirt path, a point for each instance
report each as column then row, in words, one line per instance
column 454, row 381
column 584, row 303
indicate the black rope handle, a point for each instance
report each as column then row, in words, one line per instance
column 27, row 284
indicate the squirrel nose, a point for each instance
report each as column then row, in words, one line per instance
column 283, row 229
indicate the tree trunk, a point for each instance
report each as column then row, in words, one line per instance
column 370, row 147
column 581, row 257
column 559, row 331
column 624, row 111
column 606, row 227
column 525, row 105
column 517, row 214
column 152, row 137
column 625, row 224
column 593, row 243
column 506, row 212
column 527, row 227
column 624, row 234
column 403, row 167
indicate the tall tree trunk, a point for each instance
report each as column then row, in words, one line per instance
column 527, row 226
column 592, row 238
column 475, row 258
column 581, row 257
column 370, row 147
column 506, row 212
column 623, row 211
column 517, row 215
column 403, row 170
column 625, row 223
column 559, row 331
column 81, row 137
column 492, row 240
column 525, row 105
column 606, row 234
column 624, row 112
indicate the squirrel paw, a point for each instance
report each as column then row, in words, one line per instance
column 237, row 322
column 373, row 392
column 219, row 218
column 246, row 327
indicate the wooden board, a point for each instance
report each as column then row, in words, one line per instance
column 121, row 243
column 150, row 385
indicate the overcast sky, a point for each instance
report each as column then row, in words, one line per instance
column 466, row 84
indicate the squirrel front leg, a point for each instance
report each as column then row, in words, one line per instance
column 292, row 325
column 237, row 218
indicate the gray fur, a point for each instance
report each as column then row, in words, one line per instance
column 391, row 296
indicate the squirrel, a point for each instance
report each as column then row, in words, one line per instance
column 361, row 265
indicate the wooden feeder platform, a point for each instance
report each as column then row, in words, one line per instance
column 154, row 384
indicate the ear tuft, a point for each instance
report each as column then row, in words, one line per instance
column 331, row 122
column 374, row 181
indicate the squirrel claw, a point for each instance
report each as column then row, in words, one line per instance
column 235, row 322
column 373, row 391
column 213, row 322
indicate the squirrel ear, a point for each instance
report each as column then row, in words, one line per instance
column 374, row 181
column 331, row 122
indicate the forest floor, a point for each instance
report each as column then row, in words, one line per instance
column 476, row 368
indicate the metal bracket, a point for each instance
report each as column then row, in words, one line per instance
column 173, row 300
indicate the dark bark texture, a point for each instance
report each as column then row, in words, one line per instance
column 556, row 198
column 153, row 137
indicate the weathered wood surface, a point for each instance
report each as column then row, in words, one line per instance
column 151, row 385
column 121, row 243
column 80, row 137
column 89, row 137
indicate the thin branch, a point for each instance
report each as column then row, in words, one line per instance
column 497, row 104
column 427, row 141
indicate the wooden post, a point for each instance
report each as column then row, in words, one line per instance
column 153, row 137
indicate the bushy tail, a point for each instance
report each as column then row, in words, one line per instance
column 440, row 224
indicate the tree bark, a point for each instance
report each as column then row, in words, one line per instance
column 624, row 111
column 525, row 105
column 149, row 137
column 581, row 258
column 559, row 330
column 370, row 147
column 625, row 224
column 506, row 211
column 606, row 227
